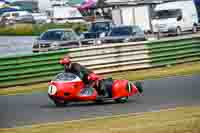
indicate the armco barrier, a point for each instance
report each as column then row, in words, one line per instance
column 106, row 58
column 29, row 68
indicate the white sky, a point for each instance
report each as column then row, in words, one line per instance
column 43, row 4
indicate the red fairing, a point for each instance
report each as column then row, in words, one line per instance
column 72, row 88
column 88, row 98
column 118, row 89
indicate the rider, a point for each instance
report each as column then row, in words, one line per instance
column 88, row 77
column 75, row 68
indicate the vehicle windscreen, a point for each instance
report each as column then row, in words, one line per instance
column 100, row 27
column 68, row 35
column 65, row 77
column 59, row 35
column 121, row 31
column 164, row 14
column 52, row 35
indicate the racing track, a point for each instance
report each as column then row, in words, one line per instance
column 37, row 108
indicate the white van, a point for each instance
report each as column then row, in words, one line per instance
column 175, row 17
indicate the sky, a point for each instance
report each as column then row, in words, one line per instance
column 43, row 4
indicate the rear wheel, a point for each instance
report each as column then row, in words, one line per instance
column 178, row 31
column 122, row 100
column 194, row 29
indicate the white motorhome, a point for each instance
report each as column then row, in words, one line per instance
column 175, row 17
column 133, row 15
column 63, row 14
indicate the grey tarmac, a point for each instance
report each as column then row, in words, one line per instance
column 22, row 110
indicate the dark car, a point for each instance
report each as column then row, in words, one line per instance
column 55, row 39
column 25, row 19
column 97, row 29
column 120, row 34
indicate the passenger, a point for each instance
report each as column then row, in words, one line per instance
column 103, row 86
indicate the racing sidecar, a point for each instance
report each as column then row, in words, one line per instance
column 68, row 87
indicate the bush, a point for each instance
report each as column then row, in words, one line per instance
column 37, row 29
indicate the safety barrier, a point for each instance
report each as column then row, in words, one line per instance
column 41, row 67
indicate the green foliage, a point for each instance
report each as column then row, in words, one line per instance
column 37, row 29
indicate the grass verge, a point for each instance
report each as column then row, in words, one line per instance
column 37, row 29
column 181, row 69
column 180, row 120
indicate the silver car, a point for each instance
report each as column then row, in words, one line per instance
column 55, row 39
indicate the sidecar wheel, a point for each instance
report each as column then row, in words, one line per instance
column 60, row 104
column 122, row 100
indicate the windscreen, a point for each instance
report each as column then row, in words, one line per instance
column 121, row 31
column 164, row 14
column 59, row 35
column 52, row 35
column 65, row 77
column 100, row 27
column 68, row 35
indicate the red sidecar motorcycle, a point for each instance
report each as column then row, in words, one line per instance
column 68, row 87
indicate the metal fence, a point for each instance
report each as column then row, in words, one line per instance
column 41, row 67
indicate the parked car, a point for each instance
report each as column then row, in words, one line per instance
column 55, row 39
column 120, row 34
column 25, row 19
column 97, row 29
column 10, row 17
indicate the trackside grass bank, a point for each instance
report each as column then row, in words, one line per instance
column 180, row 120
column 181, row 69
column 37, row 29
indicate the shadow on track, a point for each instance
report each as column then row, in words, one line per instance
column 51, row 105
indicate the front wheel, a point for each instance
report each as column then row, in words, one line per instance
column 122, row 100
column 60, row 103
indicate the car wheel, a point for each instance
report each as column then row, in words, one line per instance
column 35, row 51
column 122, row 100
column 60, row 103
column 158, row 35
column 194, row 29
column 178, row 31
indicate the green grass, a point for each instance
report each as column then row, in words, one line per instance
column 155, row 73
column 181, row 69
column 37, row 29
column 179, row 120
